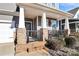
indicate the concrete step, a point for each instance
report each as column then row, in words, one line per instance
column 35, row 53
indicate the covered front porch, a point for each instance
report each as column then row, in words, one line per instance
column 35, row 23
column 38, row 20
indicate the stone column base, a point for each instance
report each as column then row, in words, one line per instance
column 66, row 32
column 44, row 33
column 21, row 48
column 21, row 36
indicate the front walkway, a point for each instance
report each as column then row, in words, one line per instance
column 36, row 53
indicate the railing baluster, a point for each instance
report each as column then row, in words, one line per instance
column 32, row 35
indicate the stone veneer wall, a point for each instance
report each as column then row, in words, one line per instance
column 44, row 33
column 30, row 47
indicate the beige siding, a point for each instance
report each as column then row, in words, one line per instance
column 6, row 32
column 7, row 7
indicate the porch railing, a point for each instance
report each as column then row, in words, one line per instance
column 32, row 35
column 72, row 30
column 55, row 33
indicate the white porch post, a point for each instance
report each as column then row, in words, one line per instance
column 38, row 35
column 21, row 31
column 75, row 27
column 21, row 18
column 44, row 20
column 67, row 29
column 57, row 28
column 44, row 27
column 37, row 22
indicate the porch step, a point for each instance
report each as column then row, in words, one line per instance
column 35, row 53
column 30, row 47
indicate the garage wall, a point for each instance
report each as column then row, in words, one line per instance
column 6, row 31
column 7, row 7
column 6, row 21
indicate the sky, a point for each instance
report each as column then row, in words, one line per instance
column 68, row 6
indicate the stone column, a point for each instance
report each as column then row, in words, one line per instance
column 44, row 29
column 67, row 28
column 21, row 31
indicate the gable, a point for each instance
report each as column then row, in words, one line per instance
column 77, row 14
column 74, row 11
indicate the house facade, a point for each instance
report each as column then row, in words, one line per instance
column 73, row 22
column 26, row 22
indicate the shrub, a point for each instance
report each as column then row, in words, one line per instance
column 70, row 41
column 54, row 44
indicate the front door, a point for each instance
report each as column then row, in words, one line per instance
column 28, row 26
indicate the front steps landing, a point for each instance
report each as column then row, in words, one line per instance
column 35, row 53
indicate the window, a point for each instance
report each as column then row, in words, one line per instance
column 53, row 24
column 48, row 22
column 51, row 5
column 39, row 21
column 63, row 27
column 63, row 21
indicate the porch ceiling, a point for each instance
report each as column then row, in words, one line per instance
column 33, row 10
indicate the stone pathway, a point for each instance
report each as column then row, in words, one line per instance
column 36, row 53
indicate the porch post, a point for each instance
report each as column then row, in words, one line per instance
column 57, row 27
column 44, row 29
column 75, row 27
column 21, row 31
column 66, row 28
column 37, row 22
column 38, row 36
